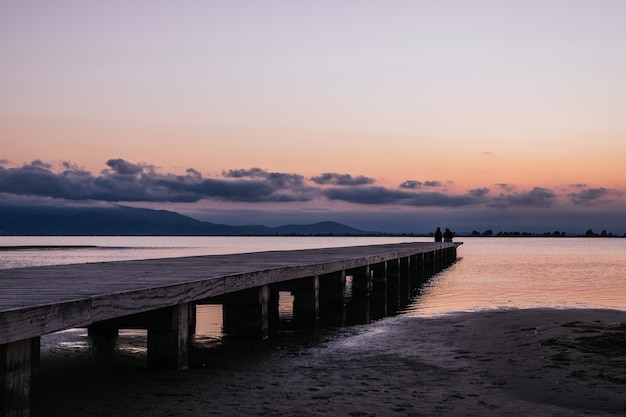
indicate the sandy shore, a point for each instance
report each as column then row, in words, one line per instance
column 503, row 363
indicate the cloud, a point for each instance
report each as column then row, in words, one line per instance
column 587, row 195
column 382, row 195
column 411, row 184
column 479, row 192
column 124, row 181
column 245, row 173
column 194, row 173
column 37, row 165
column 123, row 167
column 537, row 197
column 331, row 178
column 279, row 179
column 506, row 187
column 35, row 178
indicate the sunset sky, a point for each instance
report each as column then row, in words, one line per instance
column 394, row 116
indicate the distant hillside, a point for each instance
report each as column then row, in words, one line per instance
column 120, row 220
column 323, row 228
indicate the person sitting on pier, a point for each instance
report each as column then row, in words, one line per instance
column 438, row 235
column 448, row 235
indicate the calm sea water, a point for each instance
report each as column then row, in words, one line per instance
column 496, row 273
column 491, row 273
column 23, row 251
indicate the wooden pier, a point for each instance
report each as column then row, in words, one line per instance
column 160, row 295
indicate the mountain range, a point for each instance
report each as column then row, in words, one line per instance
column 17, row 220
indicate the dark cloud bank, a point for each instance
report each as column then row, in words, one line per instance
column 123, row 181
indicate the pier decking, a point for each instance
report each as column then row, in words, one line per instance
column 160, row 295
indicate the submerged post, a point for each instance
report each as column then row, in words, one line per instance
column 393, row 286
column 168, row 341
column 333, row 298
column 306, row 305
column 418, row 269
column 404, row 280
column 246, row 313
column 359, row 304
column 15, row 378
column 379, row 290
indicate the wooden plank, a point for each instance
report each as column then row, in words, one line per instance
column 23, row 323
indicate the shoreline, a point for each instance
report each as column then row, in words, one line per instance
column 522, row 362
column 44, row 247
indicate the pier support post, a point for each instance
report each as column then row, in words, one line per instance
column 192, row 320
column 306, row 302
column 379, row 290
column 431, row 264
column 15, row 378
column 393, row 286
column 246, row 313
column 273, row 306
column 418, row 268
column 451, row 255
column 359, row 304
column 168, row 341
column 404, row 286
column 102, row 332
column 333, row 299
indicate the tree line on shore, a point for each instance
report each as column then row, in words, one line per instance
column 491, row 233
column 556, row 233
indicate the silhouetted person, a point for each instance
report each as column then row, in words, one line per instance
column 438, row 235
column 448, row 235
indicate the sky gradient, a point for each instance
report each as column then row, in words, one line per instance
column 395, row 116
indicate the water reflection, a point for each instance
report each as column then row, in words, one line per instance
column 528, row 273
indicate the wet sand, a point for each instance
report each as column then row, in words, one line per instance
column 498, row 363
